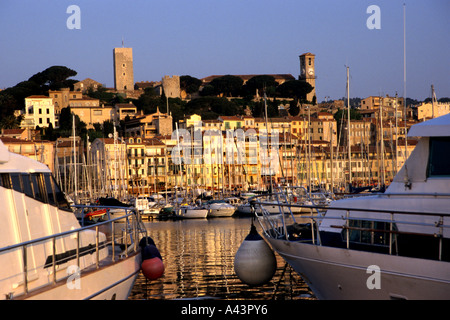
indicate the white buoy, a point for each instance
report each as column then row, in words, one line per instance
column 254, row 262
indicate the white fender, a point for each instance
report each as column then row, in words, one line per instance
column 254, row 262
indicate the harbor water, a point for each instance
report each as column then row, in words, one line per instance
column 198, row 255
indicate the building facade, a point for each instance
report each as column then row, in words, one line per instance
column 39, row 111
column 90, row 111
column 150, row 125
column 430, row 110
column 86, row 84
column 40, row 150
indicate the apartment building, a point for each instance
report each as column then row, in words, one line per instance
column 39, row 111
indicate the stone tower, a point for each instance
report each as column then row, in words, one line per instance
column 171, row 86
column 308, row 73
column 123, row 69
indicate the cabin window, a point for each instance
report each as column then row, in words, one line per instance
column 60, row 197
column 38, row 187
column 368, row 232
column 439, row 158
column 5, row 180
column 49, row 187
column 16, row 182
column 26, row 181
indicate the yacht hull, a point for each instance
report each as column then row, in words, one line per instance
column 221, row 212
column 193, row 213
column 112, row 282
column 341, row 274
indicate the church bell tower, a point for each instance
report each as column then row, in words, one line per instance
column 308, row 73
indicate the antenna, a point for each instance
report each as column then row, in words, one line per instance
column 122, row 41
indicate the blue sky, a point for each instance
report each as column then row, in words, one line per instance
column 206, row 37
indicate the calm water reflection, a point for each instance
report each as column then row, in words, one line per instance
column 198, row 256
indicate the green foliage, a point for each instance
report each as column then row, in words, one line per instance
column 354, row 115
column 212, row 107
column 7, row 104
column 190, row 84
column 10, row 122
column 49, row 133
column 54, row 78
column 207, row 90
column 176, row 108
column 101, row 94
column 258, row 109
column 13, row 98
column 66, row 121
column 296, row 89
column 294, row 109
column 149, row 101
column 260, row 83
column 228, row 85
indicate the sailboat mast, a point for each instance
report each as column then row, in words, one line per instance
column 383, row 178
column 331, row 158
column 181, row 171
column 396, row 134
column 309, row 151
column 433, row 98
column 348, row 130
column 404, row 77
column 267, row 141
column 74, row 159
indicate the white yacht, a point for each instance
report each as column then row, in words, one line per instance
column 220, row 208
column 393, row 245
column 44, row 251
column 191, row 211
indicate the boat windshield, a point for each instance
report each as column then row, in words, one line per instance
column 439, row 159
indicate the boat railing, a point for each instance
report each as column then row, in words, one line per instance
column 317, row 198
column 276, row 226
column 121, row 243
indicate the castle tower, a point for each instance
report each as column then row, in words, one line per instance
column 123, row 69
column 308, row 73
column 171, row 86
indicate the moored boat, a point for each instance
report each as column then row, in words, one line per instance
column 220, row 208
column 393, row 245
column 46, row 254
column 187, row 211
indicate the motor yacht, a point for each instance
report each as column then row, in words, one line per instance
column 45, row 253
column 392, row 245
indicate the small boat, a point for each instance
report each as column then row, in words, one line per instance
column 166, row 212
column 189, row 211
column 95, row 215
column 116, row 208
column 244, row 209
column 141, row 204
column 271, row 205
column 220, row 208
column 235, row 201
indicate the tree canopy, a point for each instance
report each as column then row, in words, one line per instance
column 54, row 78
column 260, row 83
column 297, row 89
column 228, row 86
column 13, row 98
column 190, row 84
column 212, row 107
